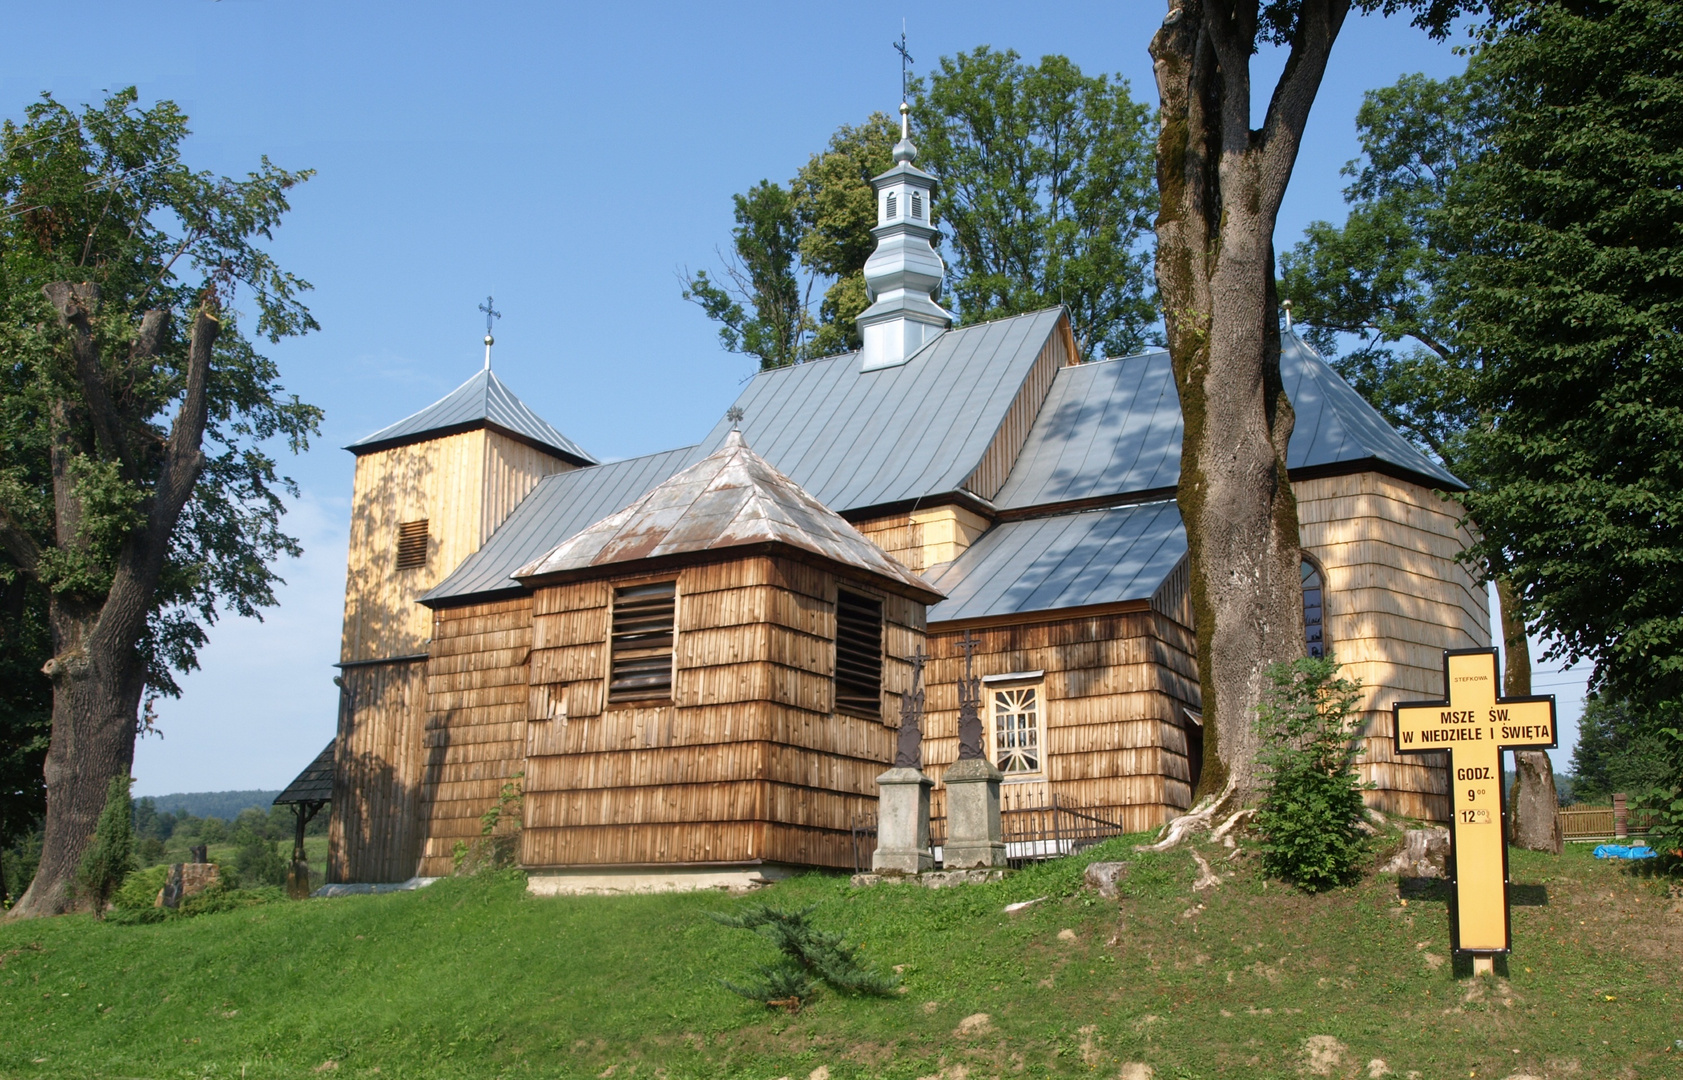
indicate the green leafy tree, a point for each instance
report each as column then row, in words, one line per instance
column 1388, row 278
column 1574, row 301
column 26, row 709
column 1046, row 193
column 1311, row 811
column 837, row 209
column 761, row 303
column 135, row 492
column 110, row 856
column 1622, row 748
column 1221, row 182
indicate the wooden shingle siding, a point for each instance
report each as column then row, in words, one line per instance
column 1396, row 597
column 1116, row 688
column 749, row 743
column 475, row 739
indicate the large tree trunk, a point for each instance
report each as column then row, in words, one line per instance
column 1221, row 184
column 98, row 670
column 1535, row 807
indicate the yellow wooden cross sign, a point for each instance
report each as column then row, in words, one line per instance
column 1475, row 723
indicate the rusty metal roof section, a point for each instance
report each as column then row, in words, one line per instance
column 314, row 784
column 731, row 498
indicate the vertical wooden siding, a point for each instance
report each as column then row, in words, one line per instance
column 374, row 833
column 512, row 470
column 748, row 762
column 989, row 475
column 475, row 737
column 1396, row 597
column 1116, row 689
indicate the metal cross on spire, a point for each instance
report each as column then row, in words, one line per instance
column 491, row 312
column 906, row 60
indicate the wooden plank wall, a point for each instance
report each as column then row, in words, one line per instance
column 990, row 473
column 1396, row 597
column 747, row 763
column 512, row 470
column 475, row 732
column 927, row 536
column 375, row 830
column 1116, row 686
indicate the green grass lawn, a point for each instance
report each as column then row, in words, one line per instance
column 473, row 978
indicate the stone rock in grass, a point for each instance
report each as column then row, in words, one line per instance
column 1425, row 854
column 187, row 879
column 1102, row 877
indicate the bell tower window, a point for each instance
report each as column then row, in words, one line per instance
column 893, row 206
column 917, row 205
column 1314, row 610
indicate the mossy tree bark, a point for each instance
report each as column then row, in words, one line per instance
column 98, row 669
column 1534, row 809
column 1221, row 183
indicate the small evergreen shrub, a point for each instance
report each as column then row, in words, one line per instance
column 1310, row 817
column 140, row 889
column 110, row 857
column 809, row 957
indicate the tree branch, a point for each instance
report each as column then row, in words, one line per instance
column 74, row 305
column 18, row 544
column 1318, row 24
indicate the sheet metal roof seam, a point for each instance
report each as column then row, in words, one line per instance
column 483, row 398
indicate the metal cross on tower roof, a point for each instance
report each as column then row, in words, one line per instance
column 906, row 60
column 491, row 312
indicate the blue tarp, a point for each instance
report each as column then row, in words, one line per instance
column 1620, row 851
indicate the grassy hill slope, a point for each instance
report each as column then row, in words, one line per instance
column 473, row 978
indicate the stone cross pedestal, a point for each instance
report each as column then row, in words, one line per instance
column 974, row 836
column 903, row 823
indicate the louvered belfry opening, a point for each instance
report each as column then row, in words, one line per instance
column 858, row 655
column 644, row 617
column 412, row 544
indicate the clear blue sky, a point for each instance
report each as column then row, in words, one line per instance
column 570, row 159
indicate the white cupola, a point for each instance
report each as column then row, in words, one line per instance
column 904, row 271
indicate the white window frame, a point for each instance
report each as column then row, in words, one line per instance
column 996, row 687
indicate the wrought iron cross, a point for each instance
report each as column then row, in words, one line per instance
column 735, row 414
column 490, row 313
column 908, row 751
column 906, row 60
column 969, row 704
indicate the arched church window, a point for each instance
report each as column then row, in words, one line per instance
column 917, row 204
column 1314, row 609
column 893, row 206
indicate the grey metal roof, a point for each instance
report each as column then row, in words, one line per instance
column 1336, row 425
column 857, row 439
column 560, row 505
column 482, row 400
column 1068, row 560
column 314, row 784
column 1114, row 427
column 732, row 498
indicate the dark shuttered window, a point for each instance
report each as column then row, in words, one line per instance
column 412, row 544
column 858, row 655
column 642, row 642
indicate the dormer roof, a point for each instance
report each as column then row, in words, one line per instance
column 484, row 401
column 731, row 499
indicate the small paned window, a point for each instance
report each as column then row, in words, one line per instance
column 893, row 206
column 412, row 544
column 644, row 620
column 1314, row 610
column 917, row 204
column 1018, row 729
column 858, row 655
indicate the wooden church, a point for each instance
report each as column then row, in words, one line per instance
column 690, row 661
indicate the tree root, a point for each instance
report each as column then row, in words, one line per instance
column 1206, row 877
column 1224, row 831
column 1195, row 820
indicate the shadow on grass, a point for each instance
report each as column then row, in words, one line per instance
column 1431, row 890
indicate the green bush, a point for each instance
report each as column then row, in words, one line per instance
column 809, row 956
column 140, row 888
column 110, row 857
column 1666, row 835
column 258, row 861
column 1310, row 817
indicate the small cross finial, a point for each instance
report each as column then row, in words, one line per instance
column 489, row 308
column 906, row 60
column 735, row 414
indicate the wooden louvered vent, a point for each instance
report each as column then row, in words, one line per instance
column 412, row 544
column 858, row 655
column 644, row 616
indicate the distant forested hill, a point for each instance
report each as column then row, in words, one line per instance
column 222, row 804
